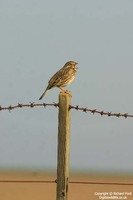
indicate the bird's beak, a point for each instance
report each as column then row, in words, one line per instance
column 76, row 65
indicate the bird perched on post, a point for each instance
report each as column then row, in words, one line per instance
column 62, row 78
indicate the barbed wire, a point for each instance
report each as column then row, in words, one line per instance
column 30, row 105
column 77, row 107
column 71, row 182
column 109, row 114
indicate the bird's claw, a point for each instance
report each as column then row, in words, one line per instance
column 67, row 92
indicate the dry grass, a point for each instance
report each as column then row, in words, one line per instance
column 41, row 191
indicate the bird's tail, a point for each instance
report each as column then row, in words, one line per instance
column 43, row 94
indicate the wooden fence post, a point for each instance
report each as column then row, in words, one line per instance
column 63, row 146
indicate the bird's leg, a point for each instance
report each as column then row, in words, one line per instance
column 65, row 91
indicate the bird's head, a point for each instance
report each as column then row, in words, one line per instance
column 72, row 64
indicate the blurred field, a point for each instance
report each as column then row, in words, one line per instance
column 41, row 191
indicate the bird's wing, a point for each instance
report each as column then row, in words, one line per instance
column 55, row 78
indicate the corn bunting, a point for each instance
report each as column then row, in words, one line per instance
column 62, row 78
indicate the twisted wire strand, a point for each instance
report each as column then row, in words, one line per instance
column 77, row 107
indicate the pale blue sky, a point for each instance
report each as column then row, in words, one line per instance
column 37, row 37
